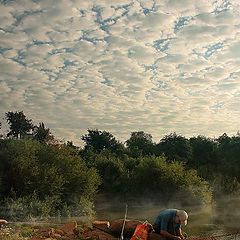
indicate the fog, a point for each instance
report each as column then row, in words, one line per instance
column 218, row 218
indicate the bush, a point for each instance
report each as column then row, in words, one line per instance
column 112, row 172
column 29, row 207
column 226, row 185
column 44, row 177
column 156, row 178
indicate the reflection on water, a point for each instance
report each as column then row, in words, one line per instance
column 220, row 218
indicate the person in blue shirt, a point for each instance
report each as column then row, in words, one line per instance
column 168, row 224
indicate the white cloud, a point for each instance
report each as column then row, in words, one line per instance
column 9, row 68
column 157, row 66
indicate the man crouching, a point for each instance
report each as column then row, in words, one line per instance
column 168, row 224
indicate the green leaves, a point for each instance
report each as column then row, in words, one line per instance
column 140, row 144
column 18, row 123
column 41, row 133
column 47, row 171
column 157, row 178
column 101, row 140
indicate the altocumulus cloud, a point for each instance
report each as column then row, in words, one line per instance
column 158, row 66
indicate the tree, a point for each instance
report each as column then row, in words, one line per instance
column 175, row 147
column 101, row 140
column 204, row 152
column 0, row 129
column 18, row 123
column 229, row 150
column 160, row 180
column 113, row 173
column 140, row 143
column 42, row 134
column 29, row 168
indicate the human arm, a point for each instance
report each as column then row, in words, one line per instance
column 179, row 233
column 167, row 220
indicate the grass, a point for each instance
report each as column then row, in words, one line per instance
column 23, row 232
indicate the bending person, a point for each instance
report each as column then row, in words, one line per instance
column 168, row 224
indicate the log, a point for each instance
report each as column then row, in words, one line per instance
column 116, row 227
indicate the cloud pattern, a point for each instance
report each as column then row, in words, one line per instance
column 122, row 65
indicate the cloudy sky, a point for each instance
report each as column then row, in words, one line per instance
column 159, row 66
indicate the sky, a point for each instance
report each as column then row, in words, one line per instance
column 158, row 66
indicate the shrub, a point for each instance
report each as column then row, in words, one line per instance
column 156, row 178
column 112, row 172
column 44, row 178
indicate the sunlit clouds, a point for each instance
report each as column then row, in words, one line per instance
column 158, row 66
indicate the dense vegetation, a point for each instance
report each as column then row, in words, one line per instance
column 40, row 176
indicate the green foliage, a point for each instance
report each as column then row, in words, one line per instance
column 22, row 232
column 28, row 207
column 153, row 177
column 159, row 179
column 55, row 178
column 42, row 134
column 216, row 160
column 174, row 147
column 30, row 168
column 229, row 150
column 112, row 172
column 101, row 140
column 18, row 123
column 140, row 144
column 1, row 135
column 204, row 151
column 228, row 185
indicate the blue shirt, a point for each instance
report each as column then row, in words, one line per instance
column 166, row 221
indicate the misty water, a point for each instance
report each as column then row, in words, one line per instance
column 217, row 219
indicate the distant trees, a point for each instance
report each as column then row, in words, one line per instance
column 204, row 152
column 0, row 129
column 41, row 133
column 22, row 127
column 99, row 141
column 140, row 144
column 229, row 164
column 175, row 165
column 18, row 123
column 174, row 147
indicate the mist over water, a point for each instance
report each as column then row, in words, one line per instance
column 219, row 218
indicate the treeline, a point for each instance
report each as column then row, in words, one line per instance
column 215, row 160
column 41, row 176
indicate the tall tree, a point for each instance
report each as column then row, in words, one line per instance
column 229, row 150
column 18, row 123
column 101, row 140
column 41, row 133
column 175, row 147
column 140, row 143
column 204, row 152
column 0, row 129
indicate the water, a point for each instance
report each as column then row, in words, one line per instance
column 216, row 219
